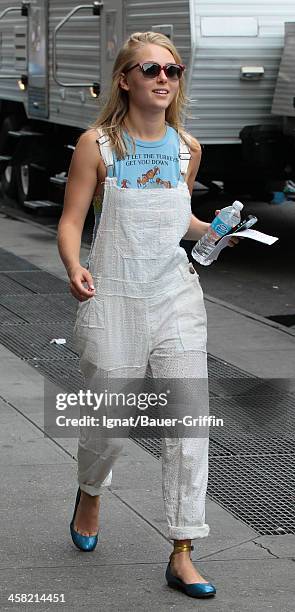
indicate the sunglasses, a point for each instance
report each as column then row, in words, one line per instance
column 151, row 70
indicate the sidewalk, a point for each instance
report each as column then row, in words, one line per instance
column 126, row 571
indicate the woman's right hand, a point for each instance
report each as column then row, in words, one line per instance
column 78, row 276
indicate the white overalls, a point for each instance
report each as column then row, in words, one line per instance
column 147, row 317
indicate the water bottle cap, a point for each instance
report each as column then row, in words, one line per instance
column 238, row 205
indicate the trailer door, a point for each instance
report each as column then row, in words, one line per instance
column 111, row 37
column 37, row 59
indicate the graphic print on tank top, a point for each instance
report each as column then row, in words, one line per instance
column 154, row 165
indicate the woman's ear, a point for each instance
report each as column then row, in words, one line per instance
column 123, row 82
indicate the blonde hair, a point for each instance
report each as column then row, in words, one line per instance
column 111, row 117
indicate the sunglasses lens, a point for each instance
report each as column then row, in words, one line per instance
column 151, row 70
column 173, row 71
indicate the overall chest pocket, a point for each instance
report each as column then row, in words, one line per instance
column 146, row 234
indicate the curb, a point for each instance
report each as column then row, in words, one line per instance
column 250, row 315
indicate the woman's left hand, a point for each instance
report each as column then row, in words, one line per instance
column 233, row 240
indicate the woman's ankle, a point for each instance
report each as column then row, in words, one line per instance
column 88, row 497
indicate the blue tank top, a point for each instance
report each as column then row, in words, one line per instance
column 153, row 165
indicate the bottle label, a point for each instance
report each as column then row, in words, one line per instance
column 219, row 227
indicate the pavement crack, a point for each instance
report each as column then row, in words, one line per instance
column 224, row 549
column 266, row 548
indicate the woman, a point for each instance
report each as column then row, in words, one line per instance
column 142, row 309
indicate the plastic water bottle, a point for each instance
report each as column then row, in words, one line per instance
column 228, row 217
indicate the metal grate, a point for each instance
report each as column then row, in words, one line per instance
column 10, row 262
column 28, row 342
column 9, row 286
column 37, row 281
column 36, row 308
column 62, row 372
column 258, row 490
column 251, row 459
column 8, row 318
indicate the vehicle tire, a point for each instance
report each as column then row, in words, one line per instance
column 8, row 177
column 31, row 183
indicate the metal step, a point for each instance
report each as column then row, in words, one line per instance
column 42, row 205
column 24, row 134
column 37, row 167
column 58, row 180
column 5, row 160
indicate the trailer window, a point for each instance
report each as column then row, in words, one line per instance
column 229, row 26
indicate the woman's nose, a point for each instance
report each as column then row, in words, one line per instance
column 162, row 75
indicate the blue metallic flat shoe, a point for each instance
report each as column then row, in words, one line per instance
column 83, row 542
column 195, row 589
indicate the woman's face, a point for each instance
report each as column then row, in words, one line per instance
column 143, row 91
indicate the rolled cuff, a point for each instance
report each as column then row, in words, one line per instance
column 91, row 490
column 188, row 533
column 97, row 490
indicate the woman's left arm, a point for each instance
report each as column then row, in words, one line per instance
column 197, row 228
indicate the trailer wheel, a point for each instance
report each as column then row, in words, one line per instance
column 8, row 182
column 30, row 181
column 8, row 177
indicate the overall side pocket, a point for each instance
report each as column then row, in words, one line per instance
column 91, row 313
column 90, row 316
column 192, row 316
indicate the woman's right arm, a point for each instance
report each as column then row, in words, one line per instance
column 82, row 181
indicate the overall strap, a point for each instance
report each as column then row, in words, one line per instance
column 105, row 147
column 184, row 156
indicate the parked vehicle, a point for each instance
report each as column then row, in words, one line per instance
column 55, row 64
column 284, row 99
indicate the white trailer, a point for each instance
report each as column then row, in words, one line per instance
column 56, row 57
column 284, row 96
